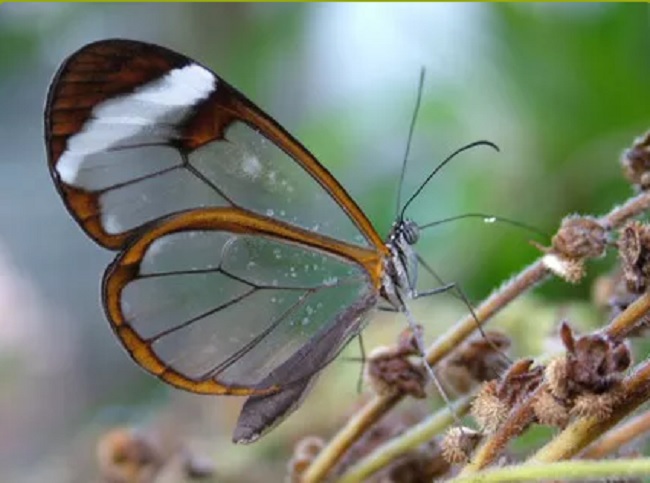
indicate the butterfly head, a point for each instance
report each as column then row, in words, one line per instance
column 405, row 231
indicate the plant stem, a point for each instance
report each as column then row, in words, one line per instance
column 627, row 320
column 522, row 282
column 354, row 428
column 564, row 470
column 622, row 213
column 619, row 436
column 417, row 435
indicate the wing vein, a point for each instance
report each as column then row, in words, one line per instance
column 230, row 360
column 189, row 322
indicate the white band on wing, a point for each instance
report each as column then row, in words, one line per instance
column 168, row 98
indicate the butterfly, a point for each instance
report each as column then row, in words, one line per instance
column 243, row 267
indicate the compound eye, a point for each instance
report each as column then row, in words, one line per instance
column 411, row 232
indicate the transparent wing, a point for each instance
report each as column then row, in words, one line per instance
column 135, row 132
column 218, row 301
column 261, row 413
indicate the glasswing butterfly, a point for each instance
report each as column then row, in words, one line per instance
column 243, row 266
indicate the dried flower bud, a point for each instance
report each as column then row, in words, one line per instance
column 580, row 237
column 636, row 162
column 634, row 250
column 407, row 341
column 480, row 360
column 487, row 409
column 598, row 406
column 621, row 358
column 568, row 269
column 556, row 376
column 458, row 444
column 587, row 379
column 304, row 453
column 596, row 364
column 520, row 380
column 390, row 370
column 550, row 411
column 125, row 456
column 309, row 446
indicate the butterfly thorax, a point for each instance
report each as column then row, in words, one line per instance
column 400, row 268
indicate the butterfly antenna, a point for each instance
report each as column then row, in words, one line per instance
column 487, row 218
column 441, row 165
column 408, row 142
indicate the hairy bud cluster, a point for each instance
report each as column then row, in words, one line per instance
column 636, row 162
column 393, row 369
column 578, row 239
column 127, row 455
column 478, row 360
column 634, row 250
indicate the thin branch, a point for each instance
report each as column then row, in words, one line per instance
column 354, row 428
column 630, row 209
column 619, row 437
column 627, row 320
column 415, row 436
column 565, row 470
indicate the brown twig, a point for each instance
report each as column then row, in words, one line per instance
column 627, row 320
column 622, row 213
column 619, row 436
column 521, row 283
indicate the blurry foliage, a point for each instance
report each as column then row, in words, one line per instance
column 578, row 76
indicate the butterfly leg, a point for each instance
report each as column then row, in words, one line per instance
column 417, row 333
column 458, row 292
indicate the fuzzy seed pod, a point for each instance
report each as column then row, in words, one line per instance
column 550, row 411
column 304, row 453
column 636, row 162
column 570, row 270
column 556, row 374
column 458, row 444
column 634, row 251
column 388, row 371
column 580, row 237
column 598, row 406
column 487, row 409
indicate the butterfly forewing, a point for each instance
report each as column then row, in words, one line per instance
column 136, row 132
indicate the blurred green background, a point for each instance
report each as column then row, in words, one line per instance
column 561, row 88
